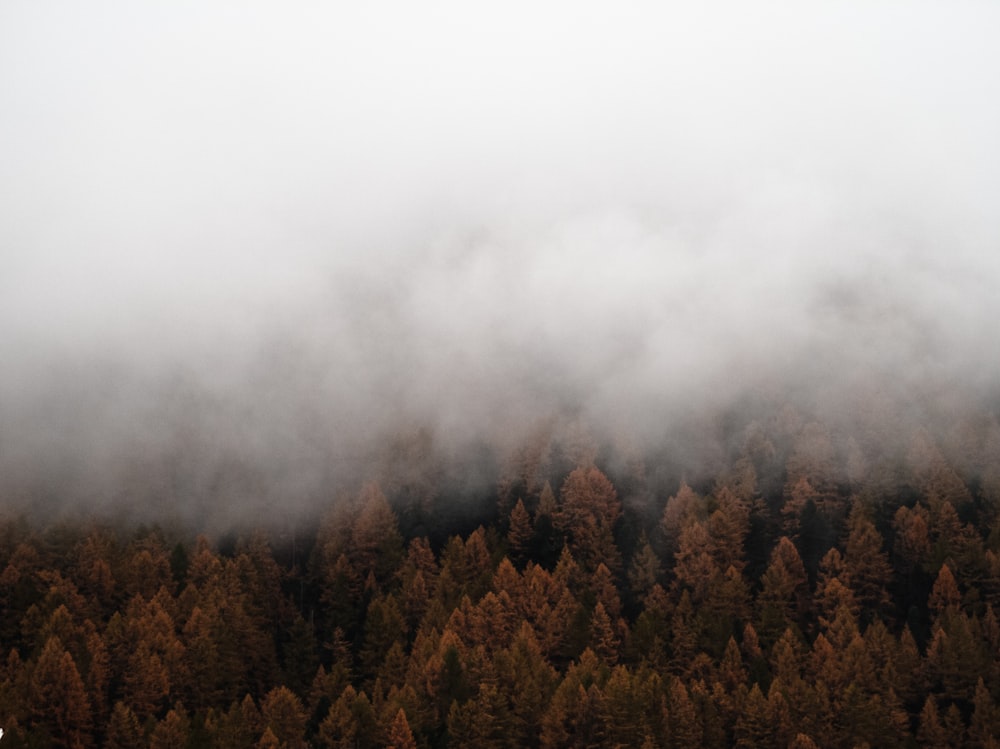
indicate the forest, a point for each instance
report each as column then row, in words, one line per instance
column 819, row 587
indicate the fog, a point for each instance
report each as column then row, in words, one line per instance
column 244, row 247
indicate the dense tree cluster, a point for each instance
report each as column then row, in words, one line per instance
column 819, row 591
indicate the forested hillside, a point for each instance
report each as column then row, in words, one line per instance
column 822, row 589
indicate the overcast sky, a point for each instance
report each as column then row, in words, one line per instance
column 311, row 223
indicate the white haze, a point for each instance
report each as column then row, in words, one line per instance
column 273, row 234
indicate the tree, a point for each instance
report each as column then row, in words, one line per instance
column 985, row 723
column 753, row 726
column 400, row 736
column 630, row 704
column 802, row 741
column 931, row 733
column 603, row 638
column 57, row 698
column 728, row 527
column 912, row 543
column 685, row 725
column 124, row 731
column 173, row 731
column 350, row 722
column 482, row 721
column 944, row 596
column 376, row 546
column 681, row 510
column 520, row 532
column 783, row 594
column 867, row 566
column 694, row 566
column 572, row 718
column 384, row 625
column 284, row 715
column 644, row 571
column 587, row 513
column 528, row 682
column 268, row 740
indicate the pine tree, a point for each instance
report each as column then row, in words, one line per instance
column 520, row 533
column 350, row 722
column 945, row 595
column 783, row 594
column 930, row 732
column 681, row 510
column 124, row 731
column 603, row 639
column 644, row 571
column 867, row 566
column 400, row 736
column 912, row 543
column 283, row 713
column 57, row 698
column 587, row 513
column 984, row 726
column 173, row 731
column 802, row 741
column 268, row 740
column 528, row 682
column 694, row 566
column 376, row 546
column 384, row 625
column 685, row 726
column 753, row 727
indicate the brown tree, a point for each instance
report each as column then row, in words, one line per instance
column 867, row 566
column 783, row 596
column 173, row 731
column 124, row 731
column 520, row 533
column 350, row 722
column 57, row 699
column 400, row 736
column 587, row 513
column 283, row 713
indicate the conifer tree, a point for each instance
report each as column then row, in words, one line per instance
column 400, row 736
column 375, row 546
column 520, row 533
column 782, row 596
column 173, row 731
column 57, row 698
column 753, row 726
column 350, row 722
column 124, row 731
column 867, row 566
column 944, row 595
column 283, row 713
column 930, row 732
column 685, row 725
column 268, row 740
column 644, row 571
column 587, row 513
column 603, row 639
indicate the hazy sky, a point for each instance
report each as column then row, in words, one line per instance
column 287, row 228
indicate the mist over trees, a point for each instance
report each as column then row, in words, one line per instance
column 819, row 589
column 425, row 376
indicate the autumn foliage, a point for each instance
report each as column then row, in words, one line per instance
column 807, row 595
